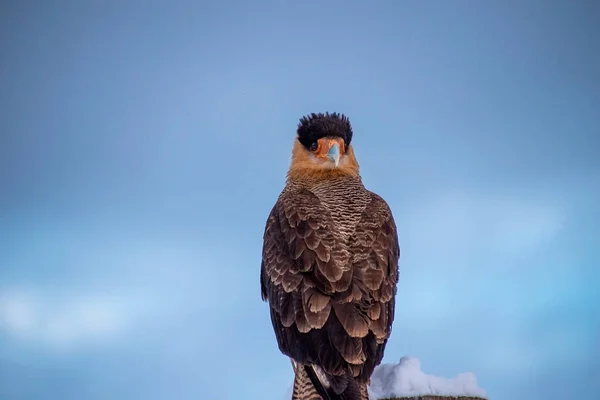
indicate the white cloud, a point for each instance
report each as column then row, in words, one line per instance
column 152, row 282
column 454, row 227
column 65, row 321
column 517, row 350
column 406, row 379
column 459, row 254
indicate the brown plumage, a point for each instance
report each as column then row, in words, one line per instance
column 329, row 265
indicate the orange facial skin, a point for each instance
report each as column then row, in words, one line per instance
column 315, row 164
column 324, row 145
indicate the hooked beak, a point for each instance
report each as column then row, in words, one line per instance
column 334, row 154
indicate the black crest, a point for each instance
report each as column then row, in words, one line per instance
column 315, row 126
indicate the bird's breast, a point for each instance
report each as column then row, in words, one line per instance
column 345, row 203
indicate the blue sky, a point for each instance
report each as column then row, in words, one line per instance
column 143, row 145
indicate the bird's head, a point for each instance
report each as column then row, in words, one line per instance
column 322, row 147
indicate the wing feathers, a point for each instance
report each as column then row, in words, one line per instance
column 290, row 281
column 370, row 273
column 355, row 323
column 316, row 320
column 351, row 349
column 315, row 300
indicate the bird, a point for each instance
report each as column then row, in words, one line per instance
column 329, row 267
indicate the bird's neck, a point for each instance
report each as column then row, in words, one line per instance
column 328, row 182
column 310, row 177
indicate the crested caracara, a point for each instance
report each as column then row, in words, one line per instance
column 329, row 265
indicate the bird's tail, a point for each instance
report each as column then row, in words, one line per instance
column 312, row 384
column 303, row 386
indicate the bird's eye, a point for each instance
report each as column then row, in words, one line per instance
column 314, row 146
